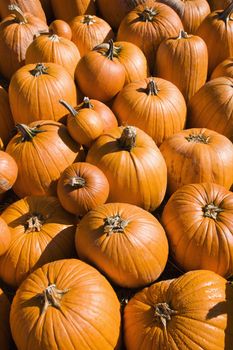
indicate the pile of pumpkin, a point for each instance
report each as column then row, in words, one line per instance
column 116, row 163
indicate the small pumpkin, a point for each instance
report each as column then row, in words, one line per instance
column 8, row 171
column 82, row 187
column 60, row 28
column 6, row 119
column 41, row 231
column 5, row 237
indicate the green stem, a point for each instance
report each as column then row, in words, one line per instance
column 27, row 132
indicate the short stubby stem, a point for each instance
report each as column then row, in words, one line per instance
column 211, row 211
column 76, row 182
column 34, row 223
column 163, row 313
column 147, row 15
column 198, row 138
column 127, row 140
column 39, row 70
column 114, row 224
column 52, row 296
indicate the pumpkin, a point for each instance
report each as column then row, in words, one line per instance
column 82, row 187
column 183, row 60
column 198, row 220
column 191, row 12
column 188, row 312
column 135, row 169
column 5, row 333
column 55, row 49
column 154, row 105
column 41, row 231
column 33, row 6
column 16, row 33
column 212, row 107
column 84, row 124
column 75, row 300
column 61, row 28
column 218, row 4
column 35, row 90
column 198, row 155
column 105, row 113
column 217, row 32
column 97, row 70
column 147, row 25
column 42, row 151
column 72, row 8
column 225, row 68
column 6, row 119
column 5, row 237
column 125, row 242
column 89, row 31
column 8, row 171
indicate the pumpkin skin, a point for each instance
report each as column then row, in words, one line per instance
column 35, row 90
column 115, row 238
column 225, row 68
column 89, row 31
column 5, row 237
column 198, row 155
column 143, row 173
column 183, row 60
column 72, row 8
column 147, row 25
column 218, row 4
column 83, row 294
column 8, row 171
column 6, row 119
column 97, row 70
column 16, row 33
column 5, row 333
column 198, row 220
column 55, row 49
column 41, row 231
column 217, row 32
column 47, row 148
column 191, row 311
column 82, row 187
column 191, row 12
column 212, row 107
column 61, row 28
column 33, row 6
column 154, row 105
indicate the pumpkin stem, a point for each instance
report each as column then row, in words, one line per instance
column 128, row 138
column 199, row 138
column 106, row 48
column 76, row 181
column 34, row 223
column 86, row 103
column 54, row 38
column 152, row 88
column 225, row 14
column 113, row 224
column 27, row 132
column 147, row 15
column 52, row 297
column 71, row 109
column 110, row 52
column 163, row 313
column 19, row 15
column 88, row 19
column 183, row 35
column 211, row 211
column 40, row 69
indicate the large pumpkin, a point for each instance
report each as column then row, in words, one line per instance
column 71, row 8
column 154, row 105
column 183, row 60
column 189, row 312
column 33, row 6
column 223, row 69
column 41, row 231
column 198, row 220
column 198, row 155
column 8, row 171
column 42, row 151
column 125, row 242
column 16, row 34
column 133, row 165
column 6, row 119
column 218, row 4
column 5, row 332
column 35, row 90
column 74, row 300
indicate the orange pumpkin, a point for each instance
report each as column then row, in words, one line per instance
column 33, row 6
column 41, row 231
column 82, row 187
column 191, row 311
column 133, row 165
column 115, row 238
column 42, row 151
column 16, row 34
column 72, row 8
column 183, row 60
column 225, row 68
column 198, row 155
column 218, row 4
column 6, row 119
column 89, row 31
column 60, row 28
column 5, row 332
column 35, row 90
column 147, row 25
column 5, row 236
column 154, row 105
column 75, row 300
column 8, row 171
column 55, row 49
